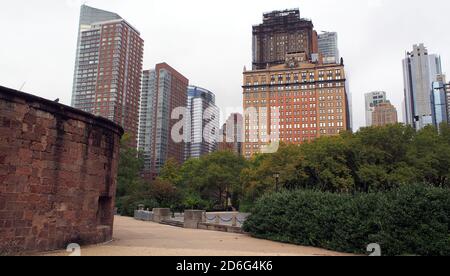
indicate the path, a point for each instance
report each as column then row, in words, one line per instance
column 137, row 238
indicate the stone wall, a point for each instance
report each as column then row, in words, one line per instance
column 58, row 169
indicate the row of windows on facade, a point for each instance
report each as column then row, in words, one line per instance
column 295, row 100
column 275, row 126
column 295, row 81
column 285, row 43
column 288, row 93
column 313, row 112
column 288, row 88
column 304, row 118
column 292, row 76
column 278, row 112
column 304, row 106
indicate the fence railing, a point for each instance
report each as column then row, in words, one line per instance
column 234, row 219
column 228, row 218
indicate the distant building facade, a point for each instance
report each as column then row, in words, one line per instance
column 447, row 91
column 232, row 134
column 439, row 101
column 296, row 97
column 282, row 32
column 108, row 66
column 384, row 114
column 164, row 89
column 372, row 99
column 328, row 47
column 203, row 127
column 420, row 70
column 147, row 118
column 310, row 100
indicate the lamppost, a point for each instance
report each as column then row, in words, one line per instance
column 277, row 179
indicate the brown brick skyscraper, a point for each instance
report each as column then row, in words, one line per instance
column 107, row 79
column 311, row 99
column 282, row 32
column 384, row 114
column 291, row 96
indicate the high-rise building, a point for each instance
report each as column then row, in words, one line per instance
column 232, row 134
column 147, row 118
column 203, row 128
column 107, row 78
column 384, row 114
column 372, row 100
column 306, row 100
column 280, row 33
column 328, row 47
column 447, row 91
column 164, row 89
column 420, row 70
column 439, row 101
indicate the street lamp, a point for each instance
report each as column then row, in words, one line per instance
column 277, row 178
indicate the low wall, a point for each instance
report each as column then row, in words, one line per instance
column 143, row 215
column 220, row 228
column 197, row 219
column 58, row 169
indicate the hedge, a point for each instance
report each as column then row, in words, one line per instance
column 410, row 220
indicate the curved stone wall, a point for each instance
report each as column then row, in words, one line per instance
column 58, row 169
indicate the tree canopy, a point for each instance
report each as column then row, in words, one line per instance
column 373, row 159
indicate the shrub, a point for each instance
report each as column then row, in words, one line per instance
column 412, row 219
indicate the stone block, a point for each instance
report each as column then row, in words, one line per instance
column 192, row 218
column 160, row 214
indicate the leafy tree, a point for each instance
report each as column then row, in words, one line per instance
column 430, row 156
column 209, row 181
column 164, row 193
column 130, row 166
column 372, row 159
column 170, row 171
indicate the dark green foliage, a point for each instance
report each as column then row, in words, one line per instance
column 373, row 159
column 411, row 219
column 133, row 190
column 209, row 181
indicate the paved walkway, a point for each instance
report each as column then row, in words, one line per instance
column 137, row 238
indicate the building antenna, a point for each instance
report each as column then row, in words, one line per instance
column 23, row 85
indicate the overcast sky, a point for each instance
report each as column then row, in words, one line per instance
column 209, row 41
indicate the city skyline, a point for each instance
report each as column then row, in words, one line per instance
column 384, row 45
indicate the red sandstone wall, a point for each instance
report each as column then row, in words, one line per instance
column 58, row 169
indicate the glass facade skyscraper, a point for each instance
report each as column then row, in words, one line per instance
column 438, row 102
column 203, row 129
column 420, row 70
column 328, row 47
column 163, row 90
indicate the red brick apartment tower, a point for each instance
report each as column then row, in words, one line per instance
column 290, row 88
column 164, row 90
column 107, row 79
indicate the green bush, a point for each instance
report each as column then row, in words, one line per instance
column 410, row 220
